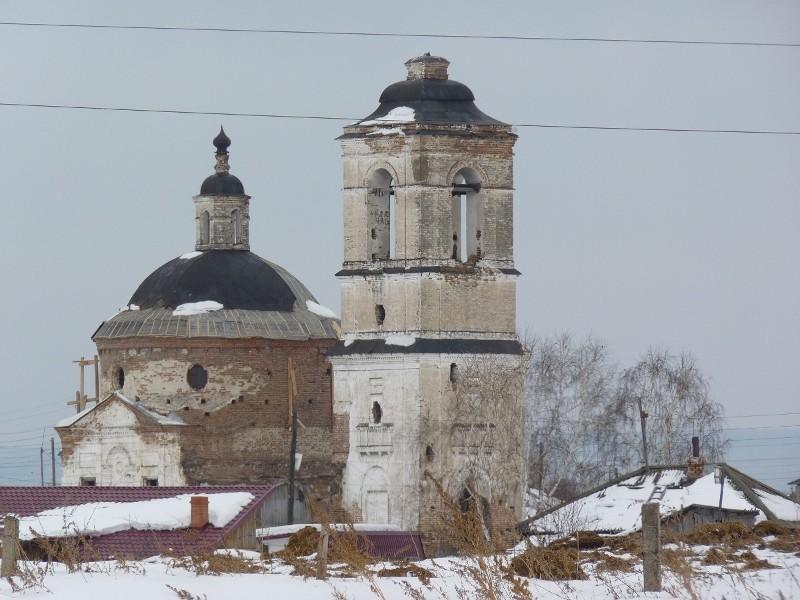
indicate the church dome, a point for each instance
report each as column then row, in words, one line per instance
column 235, row 279
column 433, row 97
column 257, row 298
column 222, row 184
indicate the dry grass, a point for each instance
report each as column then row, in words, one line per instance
column 625, row 544
column 301, row 543
column 580, row 540
column 609, row 563
column 732, row 533
column 765, row 528
column 551, row 564
column 408, row 570
column 216, row 564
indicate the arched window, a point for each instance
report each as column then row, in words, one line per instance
column 381, row 216
column 204, row 228
column 236, row 226
column 467, row 216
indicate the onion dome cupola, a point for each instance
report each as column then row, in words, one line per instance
column 222, row 208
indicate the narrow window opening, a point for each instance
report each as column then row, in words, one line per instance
column 377, row 413
column 236, row 226
column 381, row 200
column 197, row 377
column 467, row 215
column 453, row 373
column 88, row 481
column 429, row 453
column 380, row 313
column 150, row 481
column 204, row 227
column 463, row 250
column 119, row 377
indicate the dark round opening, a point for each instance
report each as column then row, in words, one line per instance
column 197, row 377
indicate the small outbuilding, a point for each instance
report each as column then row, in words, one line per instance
column 100, row 523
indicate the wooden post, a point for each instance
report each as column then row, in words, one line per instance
column 10, row 547
column 643, row 415
column 292, row 454
column 651, row 544
column 53, row 459
column 322, row 554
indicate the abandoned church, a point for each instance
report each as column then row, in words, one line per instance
column 415, row 392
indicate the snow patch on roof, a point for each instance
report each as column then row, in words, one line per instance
column 783, row 508
column 99, row 518
column 400, row 340
column 320, row 310
column 123, row 309
column 189, row 255
column 618, row 507
column 282, row 530
column 196, row 308
column 389, row 131
column 67, row 421
column 400, row 114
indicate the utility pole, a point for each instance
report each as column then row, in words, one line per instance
column 292, row 453
column 644, row 416
column 41, row 463
column 53, row 459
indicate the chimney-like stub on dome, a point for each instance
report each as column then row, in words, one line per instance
column 427, row 67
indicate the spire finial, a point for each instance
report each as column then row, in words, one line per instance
column 222, row 142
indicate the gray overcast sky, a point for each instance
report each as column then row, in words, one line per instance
column 688, row 240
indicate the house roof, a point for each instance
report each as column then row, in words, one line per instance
column 106, row 535
column 615, row 507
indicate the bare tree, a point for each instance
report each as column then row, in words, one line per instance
column 673, row 393
column 570, row 390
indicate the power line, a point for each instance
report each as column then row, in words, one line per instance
column 760, row 427
column 457, row 36
column 786, row 414
column 350, row 119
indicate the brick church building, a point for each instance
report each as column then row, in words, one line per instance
column 421, row 380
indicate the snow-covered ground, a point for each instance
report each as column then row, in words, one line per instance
column 159, row 578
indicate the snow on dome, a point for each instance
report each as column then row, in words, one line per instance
column 400, row 340
column 196, row 308
column 99, row 518
column 400, row 114
column 320, row 310
column 189, row 255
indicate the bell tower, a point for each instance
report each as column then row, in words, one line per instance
column 428, row 290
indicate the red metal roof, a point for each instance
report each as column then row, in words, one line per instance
column 132, row 544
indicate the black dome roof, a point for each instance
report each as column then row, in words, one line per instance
column 222, row 184
column 236, row 279
column 434, row 101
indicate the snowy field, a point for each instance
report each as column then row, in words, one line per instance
column 162, row 578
